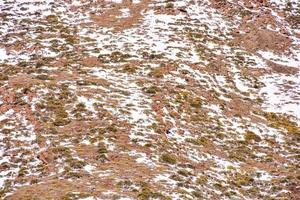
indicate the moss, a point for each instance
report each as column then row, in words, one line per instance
column 75, row 175
column 74, row 163
column 230, row 193
column 242, row 179
column 182, row 97
column 124, row 184
column 184, row 172
column 236, row 155
column 129, row 69
column 119, row 57
column 3, row 191
column 102, row 150
column 3, row 77
column 147, row 193
column 114, row 57
column 230, row 167
column 220, row 136
column 202, row 180
column 52, row 19
column 80, row 107
column 184, row 184
column 218, row 186
column 6, row 131
column 60, row 121
column 57, row 107
column 111, row 128
column 70, row 39
column 148, row 145
column 62, row 151
column 23, row 171
column 223, row 2
column 157, row 73
column 24, row 64
column 176, row 178
column 101, row 153
column 195, row 102
column 183, row 194
column 125, row 93
column 151, row 56
column 96, row 138
column 34, row 181
column 281, row 121
column 197, row 194
column 259, row 100
column 43, row 77
column 153, row 126
column 169, row 5
column 152, row 90
column 198, row 141
column 250, row 136
column 253, row 191
column 168, row 158
column 101, row 131
column 73, row 195
column 198, row 117
column 102, row 158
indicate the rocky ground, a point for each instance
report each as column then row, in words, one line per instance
column 149, row 99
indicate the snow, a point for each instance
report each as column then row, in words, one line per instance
column 3, row 54
column 263, row 175
column 280, row 99
column 281, row 59
column 89, row 168
column 173, row 135
column 6, row 115
column 115, row 1
column 88, row 198
column 165, row 179
column 142, row 158
column 125, row 12
column 88, row 103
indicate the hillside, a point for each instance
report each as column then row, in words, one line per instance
column 149, row 99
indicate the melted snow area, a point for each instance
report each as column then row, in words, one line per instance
column 149, row 99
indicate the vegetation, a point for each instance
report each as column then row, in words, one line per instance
column 157, row 73
column 250, row 136
column 152, row 90
column 281, row 121
column 243, row 179
column 195, row 102
column 202, row 180
column 114, row 57
column 75, row 195
column 147, row 193
column 168, row 158
column 129, row 69
column 198, row 141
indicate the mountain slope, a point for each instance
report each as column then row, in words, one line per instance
column 149, row 99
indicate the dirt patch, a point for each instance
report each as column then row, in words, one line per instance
column 56, row 189
column 111, row 17
column 265, row 40
column 90, row 61
column 283, row 69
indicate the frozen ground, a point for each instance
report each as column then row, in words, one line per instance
column 149, row 99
